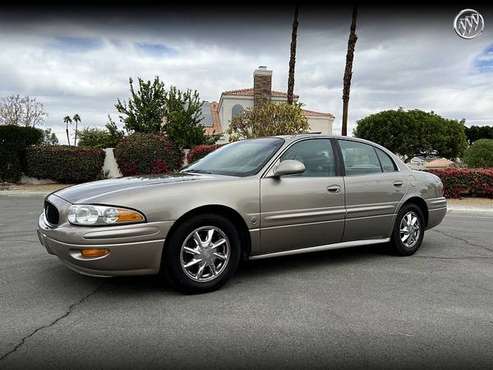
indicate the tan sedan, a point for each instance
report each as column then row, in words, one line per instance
column 250, row 199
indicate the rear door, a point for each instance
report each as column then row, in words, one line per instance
column 304, row 210
column 374, row 188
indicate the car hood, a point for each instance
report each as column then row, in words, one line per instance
column 96, row 190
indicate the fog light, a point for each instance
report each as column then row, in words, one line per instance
column 94, row 252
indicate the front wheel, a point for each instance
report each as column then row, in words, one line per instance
column 202, row 254
column 408, row 232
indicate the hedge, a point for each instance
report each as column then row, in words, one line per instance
column 141, row 154
column 65, row 164
column 10, row 165
column 466, row 182
column 13, row 142
column 200, row 151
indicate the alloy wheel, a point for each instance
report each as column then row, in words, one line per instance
column 410, row 229
column 205, row 253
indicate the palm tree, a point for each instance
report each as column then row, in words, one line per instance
column 76, row 119
column 348, row 72
column 292, row 58
column 67, row 121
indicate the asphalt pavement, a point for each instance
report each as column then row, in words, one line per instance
column 350, row 308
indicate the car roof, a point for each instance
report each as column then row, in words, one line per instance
column 290, row 138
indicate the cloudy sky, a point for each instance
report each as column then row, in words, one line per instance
column 78, row 60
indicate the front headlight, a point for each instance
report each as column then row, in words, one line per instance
column 82, row 214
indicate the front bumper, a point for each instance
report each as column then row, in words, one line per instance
column 137, row 258
column 134, row 249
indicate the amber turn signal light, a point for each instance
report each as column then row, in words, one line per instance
column 125, row 215
column 94, row 252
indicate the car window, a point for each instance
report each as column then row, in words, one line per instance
column 359, row 158
column 387, row 163
column 317, row 156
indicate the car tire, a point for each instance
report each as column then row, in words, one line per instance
column 408, row 232
column 191, row 260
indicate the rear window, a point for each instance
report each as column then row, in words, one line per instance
column 359, row 158
column 387, row 163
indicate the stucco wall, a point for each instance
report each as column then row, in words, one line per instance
column 321, row 124
column 227, row 105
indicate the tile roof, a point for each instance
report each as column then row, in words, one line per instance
column 249, row 92
column 311, row 113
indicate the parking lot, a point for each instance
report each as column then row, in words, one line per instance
column 348, row 308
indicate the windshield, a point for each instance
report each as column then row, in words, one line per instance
column 243, row 158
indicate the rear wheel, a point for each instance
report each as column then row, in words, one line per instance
column 408, row 230
column 202, row 254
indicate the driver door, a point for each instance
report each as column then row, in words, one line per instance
column 303, row 210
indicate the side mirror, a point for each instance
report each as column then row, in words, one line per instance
column 289, row 167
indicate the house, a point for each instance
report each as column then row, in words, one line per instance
column 425, row 163
column 218, row 115
column 439, row 163
column 416, row 163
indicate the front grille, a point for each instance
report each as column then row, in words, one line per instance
column 51, row 213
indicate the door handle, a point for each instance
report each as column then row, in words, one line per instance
column 398, row 183
column 334, row 189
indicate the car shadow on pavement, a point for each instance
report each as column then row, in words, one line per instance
column 250, row 270
column 307, row 261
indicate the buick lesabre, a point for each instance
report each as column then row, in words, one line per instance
column 247, row 200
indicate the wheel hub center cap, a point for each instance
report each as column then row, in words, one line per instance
column 205, row 254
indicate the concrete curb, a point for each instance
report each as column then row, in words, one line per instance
column 466, row 209
column 17, row 193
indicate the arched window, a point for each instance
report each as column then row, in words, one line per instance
column 236, row 110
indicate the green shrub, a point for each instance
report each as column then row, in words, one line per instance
column 268, row 119
column 97, row 138
column 140, row 154
column 475, row 133
column 466, row 182
column 183, row 113
column 480, row 154
column 10, row 165
column 13, row 142
column 200, row 151
column 413, row 133
column 20, row 136
column 64, row 164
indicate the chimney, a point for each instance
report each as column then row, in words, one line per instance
column 262, row 85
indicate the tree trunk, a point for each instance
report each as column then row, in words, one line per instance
column 348, row 72
column 68, row 136
column 292, row 58
column 75, row 135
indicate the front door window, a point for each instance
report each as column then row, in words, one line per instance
column 316, row 155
